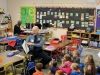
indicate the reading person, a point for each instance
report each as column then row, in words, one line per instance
column 35, row 43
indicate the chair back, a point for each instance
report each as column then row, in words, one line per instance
column 7, row 66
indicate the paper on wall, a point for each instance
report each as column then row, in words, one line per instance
column 67, row 22
column 51, row 13
column 62, row 13
column 55, row 13
column 37, row 12
column 45, row 13
column 37, row 20
column 76, row 14
column 48, row 12
column 71, row 14
column 77, row 22
column 40, row 16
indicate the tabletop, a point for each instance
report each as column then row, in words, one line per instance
column 63, row 43
column 12, row 59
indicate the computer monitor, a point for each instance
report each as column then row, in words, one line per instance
column 38, row 24
column 46, row 25
column 28, row 25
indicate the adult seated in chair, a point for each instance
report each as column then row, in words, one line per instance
column 17, row 29
column 35, row 43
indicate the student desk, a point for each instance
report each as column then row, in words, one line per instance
column 14, row 59
column 63, row 43
column 3, row 43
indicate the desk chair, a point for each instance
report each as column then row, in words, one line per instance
column 7, row 67
column 57, row 53
column 21, row 66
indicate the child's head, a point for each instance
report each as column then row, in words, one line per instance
column 75, row 53
column 59, row 72
column 67, row 57
column 53, row 63
column 89, row 59
column 39, row 66
column 74, row 66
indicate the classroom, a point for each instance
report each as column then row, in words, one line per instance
column 49, row 37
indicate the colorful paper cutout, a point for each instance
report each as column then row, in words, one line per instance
column 71, row 14
column 51, row 13
column 76, row 14
column 67, row 22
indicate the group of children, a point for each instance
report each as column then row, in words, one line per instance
column 69, row 66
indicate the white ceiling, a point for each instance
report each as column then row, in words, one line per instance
column 67, row 1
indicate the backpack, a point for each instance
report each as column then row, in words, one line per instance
column 30, row 69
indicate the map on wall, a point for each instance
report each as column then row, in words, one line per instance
column 28, row 14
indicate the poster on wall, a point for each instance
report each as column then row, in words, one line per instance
column 98, row 20
column 28, row 14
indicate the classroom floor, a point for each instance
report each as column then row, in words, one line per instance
column 86, row 51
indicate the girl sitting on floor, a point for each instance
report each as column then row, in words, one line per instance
column 90, row 65
column 66, row 63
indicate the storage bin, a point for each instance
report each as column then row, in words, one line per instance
column 98, row 32
column 12, row 38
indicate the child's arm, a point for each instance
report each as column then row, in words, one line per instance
column 63, row 63
column 50, row 73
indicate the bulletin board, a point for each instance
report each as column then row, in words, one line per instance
column 64, row 17
column 28, row 14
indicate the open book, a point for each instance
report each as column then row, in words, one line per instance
column 25, row 47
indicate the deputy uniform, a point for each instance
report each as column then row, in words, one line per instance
column 36, row 50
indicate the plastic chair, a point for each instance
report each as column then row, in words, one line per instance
column 74, row 45
column 8, row 66
column 21, row 66
column 57, row 53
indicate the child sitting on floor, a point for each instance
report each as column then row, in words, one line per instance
column 53, row 67
column 66, row 63
column 75, row 69
column 90, row 65
column 38, row 69
column 59, row 72
column 76, row 58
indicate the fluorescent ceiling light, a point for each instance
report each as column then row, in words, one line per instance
column 91, row 0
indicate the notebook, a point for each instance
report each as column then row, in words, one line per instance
column 25, row 47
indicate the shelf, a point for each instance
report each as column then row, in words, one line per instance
column 2, row 13
column 3, row 23
column 85, row 38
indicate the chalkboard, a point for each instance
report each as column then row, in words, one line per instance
column 27, row 14
column 64, row 17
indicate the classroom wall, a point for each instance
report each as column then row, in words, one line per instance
column 3, row 5
column 14, row 8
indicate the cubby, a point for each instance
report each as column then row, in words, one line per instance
column 84, row 36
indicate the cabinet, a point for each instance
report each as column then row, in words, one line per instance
column 10, row 25
column 84, row 36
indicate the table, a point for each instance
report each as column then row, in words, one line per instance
column 14, row 59
column 30, row 32
column 63, row 43
column 3, row 43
